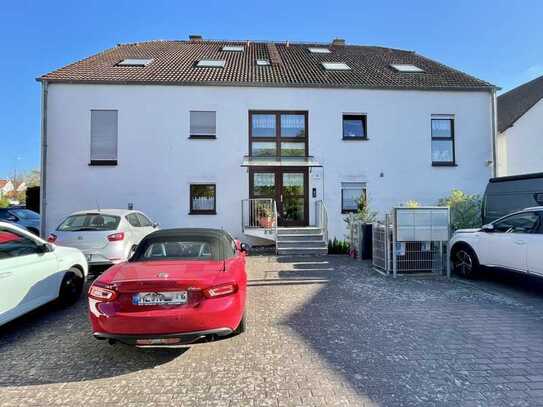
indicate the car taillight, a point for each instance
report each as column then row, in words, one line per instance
column 115, row 237
column 102, row 294
column 220, row 290
column 52, row 238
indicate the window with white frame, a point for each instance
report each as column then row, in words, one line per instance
column 104, row 133
column 203, row 124
column 443, row 141
column 351, row 194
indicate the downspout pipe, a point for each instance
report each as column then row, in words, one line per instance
column 43, row 165
column 494, row 134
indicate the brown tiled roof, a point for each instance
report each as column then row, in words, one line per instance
column 174, row 63
column 513, row 104
column 3, row 182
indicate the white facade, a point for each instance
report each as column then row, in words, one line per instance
column 157, row 161
column 519, row 147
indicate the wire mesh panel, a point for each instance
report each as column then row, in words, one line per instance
column 420, row 257
column 379, row 245
column 420, row 238
column 382, row 238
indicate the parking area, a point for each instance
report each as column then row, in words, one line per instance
column 321, row 331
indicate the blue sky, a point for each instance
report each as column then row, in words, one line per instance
column 493, row 40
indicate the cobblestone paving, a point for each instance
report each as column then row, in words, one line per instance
column 322, row 331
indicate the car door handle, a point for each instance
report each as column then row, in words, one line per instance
column 520, row 242
column 5, row 275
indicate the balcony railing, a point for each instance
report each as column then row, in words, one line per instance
column 259, row 213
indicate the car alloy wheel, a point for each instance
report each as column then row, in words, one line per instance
column 463, row 263
column 71, row 288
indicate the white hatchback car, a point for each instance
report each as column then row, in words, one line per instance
column 105, row 236
column 513, row 242
column 34, row 272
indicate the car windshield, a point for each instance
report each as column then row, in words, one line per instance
column 184, row 247
column 89, row 222
column 25, row 214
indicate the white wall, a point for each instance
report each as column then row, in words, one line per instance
column 521, row 144
column 157, row 161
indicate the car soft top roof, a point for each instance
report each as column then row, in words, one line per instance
column 222, row 239
column 181, row 232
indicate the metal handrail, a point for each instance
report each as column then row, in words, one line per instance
column 275, row 224
column 322, row 218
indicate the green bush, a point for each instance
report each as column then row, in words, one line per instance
column 4, row 203
column 338, row 247
column 465, row 209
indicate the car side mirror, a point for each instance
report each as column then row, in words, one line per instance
column 488, row 228
column 244, row 248
column 45, row 248
column 155, row 225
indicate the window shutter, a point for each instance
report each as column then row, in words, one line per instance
column 202, row 124
column 104, row 135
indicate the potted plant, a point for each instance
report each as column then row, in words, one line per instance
column 265, row 219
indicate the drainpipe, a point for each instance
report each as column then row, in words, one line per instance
column 43, row 167
column 494, row 135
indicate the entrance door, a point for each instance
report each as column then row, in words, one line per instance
column 289, row 188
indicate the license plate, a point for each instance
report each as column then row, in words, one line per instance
column 160, row 298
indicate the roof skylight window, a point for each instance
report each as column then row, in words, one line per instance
column 316, row 50
column 210, row 63
column 135, row 62
column 262, row 62
column 406, row 68
column 233, row 48
column 336, row 66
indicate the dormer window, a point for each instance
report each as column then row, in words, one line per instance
column 319, row 50
column 210, row 63
column 262, row 62
column 233, row 48
column 135, row 62
column 407, row 68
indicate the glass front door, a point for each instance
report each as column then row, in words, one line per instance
column 289, row 188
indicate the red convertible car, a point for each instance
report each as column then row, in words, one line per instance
column 181, row 285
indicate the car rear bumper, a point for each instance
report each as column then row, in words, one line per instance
column 208, row 315
column 184, row 337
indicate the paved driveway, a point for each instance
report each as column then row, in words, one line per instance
column 322, row 331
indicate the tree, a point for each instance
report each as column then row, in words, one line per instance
column 32, row 178
column 465, row 209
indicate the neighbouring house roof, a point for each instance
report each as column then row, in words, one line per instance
column 286, row 65
column 21, row 187
column 3, row 183
column 513, row 104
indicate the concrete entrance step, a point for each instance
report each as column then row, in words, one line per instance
column 283, row 244
column 302, row 250
column 310, row 230
column 299, row 237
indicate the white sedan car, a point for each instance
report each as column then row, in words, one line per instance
column 34, row 272
column 513, row 242
column 105, row 236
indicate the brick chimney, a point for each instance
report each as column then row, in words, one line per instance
column 338, row 42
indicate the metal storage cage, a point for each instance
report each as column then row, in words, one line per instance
column 412, row 240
